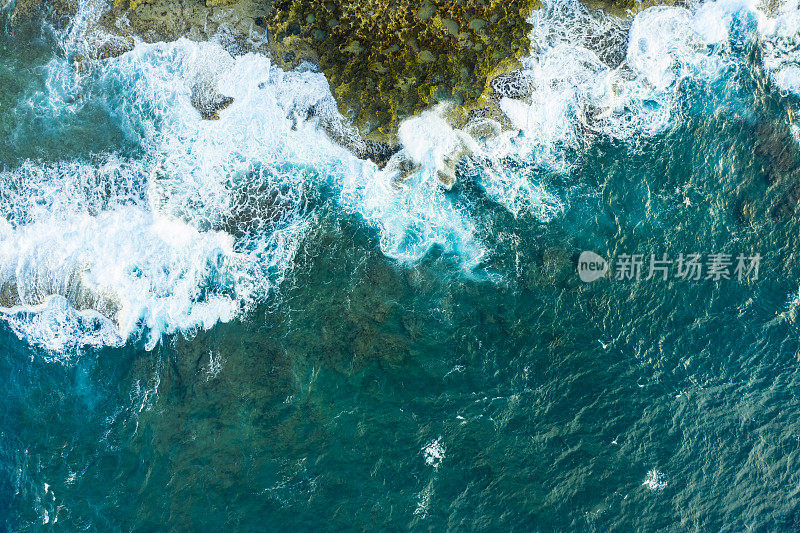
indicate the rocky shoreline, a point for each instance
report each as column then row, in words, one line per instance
column 385, row 61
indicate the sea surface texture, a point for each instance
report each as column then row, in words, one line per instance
column 238, row 325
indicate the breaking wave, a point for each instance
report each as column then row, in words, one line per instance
column 197, row 229
column 202, row 222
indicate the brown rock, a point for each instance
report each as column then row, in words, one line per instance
column 207, row 100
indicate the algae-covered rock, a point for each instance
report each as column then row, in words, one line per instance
column 389, row 60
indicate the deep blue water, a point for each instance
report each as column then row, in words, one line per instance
column 366, row 392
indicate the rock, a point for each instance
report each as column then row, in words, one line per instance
column 59, row 11
column 239, row 23
column 206, row 99
column 421, row 50
column 483, row 128
column 329, row 121
column 447, row 170
column 402, row 167
column 378, row 152
column 113, row 48
column 515, row 84
column 79, row 64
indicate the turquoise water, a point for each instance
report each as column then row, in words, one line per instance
column 430, row 362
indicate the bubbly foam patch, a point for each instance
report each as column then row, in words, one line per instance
column 781, row 56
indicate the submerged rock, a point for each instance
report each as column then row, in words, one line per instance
column 774, row 191
column 775, row 143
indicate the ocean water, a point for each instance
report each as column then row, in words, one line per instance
column 237, row 323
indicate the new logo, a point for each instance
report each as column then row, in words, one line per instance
column 591, row 266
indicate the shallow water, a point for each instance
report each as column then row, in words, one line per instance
column 238, row 324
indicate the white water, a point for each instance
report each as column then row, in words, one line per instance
column 205, row 222
column 593, row 74
column 198, row 229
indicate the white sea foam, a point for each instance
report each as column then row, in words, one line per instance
column 200, row 227
column 129, row 265
column 415, row 213
column 780, row 37
column 413, row 217
column 592, row 73
column 428, row 139
column 781, row 56
column 434, row 452
column 655, row 480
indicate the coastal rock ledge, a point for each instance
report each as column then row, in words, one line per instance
column 385, row 60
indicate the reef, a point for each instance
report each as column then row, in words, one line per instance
column 386, row 61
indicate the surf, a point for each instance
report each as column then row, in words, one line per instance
column 200, row 221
